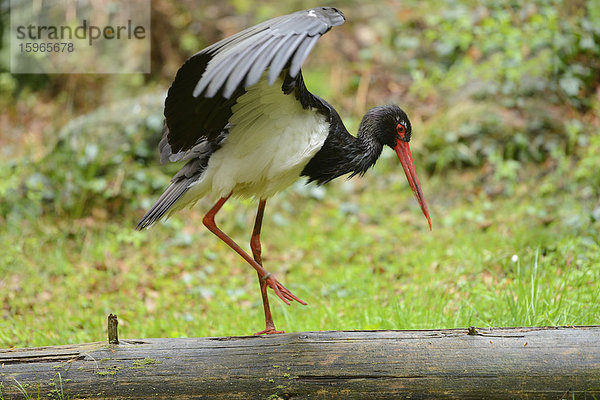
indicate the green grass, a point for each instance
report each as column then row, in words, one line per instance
column 487, row 85
column 22, row 390
column 25, row 390
column 500, row 254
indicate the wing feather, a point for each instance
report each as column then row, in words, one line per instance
column 243, row 65
column 205, row 88
column 259, row 66
column 282, row 57
column 221, row 64
column 301, row 52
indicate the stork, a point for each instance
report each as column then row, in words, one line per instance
column 240, row 115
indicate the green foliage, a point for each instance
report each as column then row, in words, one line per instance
column 504, row 86
column 105, row 159
column 362, row 259
column 507, row 81
column 578, row 53
column 498, row 70
column 587, row 167
column 508, row 50
column 473, row 133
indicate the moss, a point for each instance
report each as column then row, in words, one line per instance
column 107, row 372
column 143, row 363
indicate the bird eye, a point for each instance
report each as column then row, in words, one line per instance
column 401, row 130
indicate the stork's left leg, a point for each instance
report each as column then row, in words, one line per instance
column 209, row 221
column 256, row 252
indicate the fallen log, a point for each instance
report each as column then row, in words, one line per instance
column 498, row 363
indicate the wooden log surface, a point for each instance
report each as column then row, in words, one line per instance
column 499, row 363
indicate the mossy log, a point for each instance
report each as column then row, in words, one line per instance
column 499, row 363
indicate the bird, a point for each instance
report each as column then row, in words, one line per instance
column 240, row 116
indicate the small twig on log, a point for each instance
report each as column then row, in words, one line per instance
column 113, row 334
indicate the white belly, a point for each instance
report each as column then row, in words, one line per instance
column 271, row 140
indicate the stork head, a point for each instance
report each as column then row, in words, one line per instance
column 394, row 129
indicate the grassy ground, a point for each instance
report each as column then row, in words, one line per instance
column 359, row 252
column 505, row 106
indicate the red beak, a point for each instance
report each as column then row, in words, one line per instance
column 403, row 151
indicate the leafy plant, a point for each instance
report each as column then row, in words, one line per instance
column 499, row 73
column 102, row 159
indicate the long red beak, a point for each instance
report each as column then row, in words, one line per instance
column 403, row 151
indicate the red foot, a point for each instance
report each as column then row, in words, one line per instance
column 268, row 331
column 282, row 292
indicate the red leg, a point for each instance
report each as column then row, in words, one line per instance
column 256, row 252
column 280, row 290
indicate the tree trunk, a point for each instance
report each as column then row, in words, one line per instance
column 499, row 363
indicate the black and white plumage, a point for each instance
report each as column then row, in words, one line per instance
column 241, row 116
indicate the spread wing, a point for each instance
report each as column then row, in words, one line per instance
column 198, row 104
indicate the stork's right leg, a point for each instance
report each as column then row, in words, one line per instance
column 278, row 288
column 256, row 252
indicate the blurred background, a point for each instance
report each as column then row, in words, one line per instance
column 504, row 99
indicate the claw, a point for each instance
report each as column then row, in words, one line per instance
column 268, row 331
column 290, row 295
column 280, row 295
column 281, row 291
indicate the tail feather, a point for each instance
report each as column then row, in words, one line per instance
column 164, row 203
column 197, row 162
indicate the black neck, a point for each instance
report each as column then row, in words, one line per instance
column 343, row 153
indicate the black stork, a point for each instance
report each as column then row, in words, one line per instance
column 239, row 113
